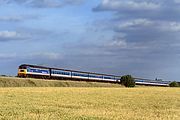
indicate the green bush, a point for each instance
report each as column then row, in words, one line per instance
column 174, row 84
column 128, row 81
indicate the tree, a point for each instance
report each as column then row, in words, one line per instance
column 128, row 81
column 174, row 84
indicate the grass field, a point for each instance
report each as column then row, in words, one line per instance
column 141, row 103
column 30, row 82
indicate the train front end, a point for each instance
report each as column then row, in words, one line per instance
column 22, row 71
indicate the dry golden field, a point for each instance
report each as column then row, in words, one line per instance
column 141, row 103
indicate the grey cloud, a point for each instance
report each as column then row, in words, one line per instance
column 143, row 41
column 177, row 1
column 17, row 18
column 113, row 59
column 10, row 18
column 44, row 3
column 6, row 36
column 151, row 34
column 152, row 9
column 7, row 56
column 139, row 25
column 11, row 35
column 30, row 34
column 45, row 55
column 116, row 5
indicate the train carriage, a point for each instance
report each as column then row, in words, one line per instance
column 55, row 73
column 80, row 75
column 95, row 77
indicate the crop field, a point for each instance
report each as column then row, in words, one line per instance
column 47, row 103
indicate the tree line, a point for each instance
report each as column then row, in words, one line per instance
column 128, row 81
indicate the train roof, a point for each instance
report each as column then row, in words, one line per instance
column 30, row 65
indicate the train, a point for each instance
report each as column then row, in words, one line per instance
column 35, row 71
column 151, row 82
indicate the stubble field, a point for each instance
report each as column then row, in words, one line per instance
column 141, row 103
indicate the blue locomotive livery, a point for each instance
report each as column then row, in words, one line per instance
column 26, row 70
column 37, row 71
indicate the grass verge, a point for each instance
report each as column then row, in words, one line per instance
column 30, row 82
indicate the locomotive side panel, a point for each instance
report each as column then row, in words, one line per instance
column 38, row 71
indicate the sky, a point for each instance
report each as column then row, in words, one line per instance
column 137, row 37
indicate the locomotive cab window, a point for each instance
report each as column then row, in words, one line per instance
column 22, row 67
column 21, row 70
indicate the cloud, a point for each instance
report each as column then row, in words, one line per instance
column 139, row 25
column 177, row 1
column 28, row 34
column 118, row 43
column 44, row 3
column 116, row 5
column 172, row 26
column 147, row 25
column 134, row 24
column 45, row 56
column 37, row 56
column 7, row 56
column 11, row 35
column 149, row 9
column 10, row 18
column 151, row 34
column 17, row 18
